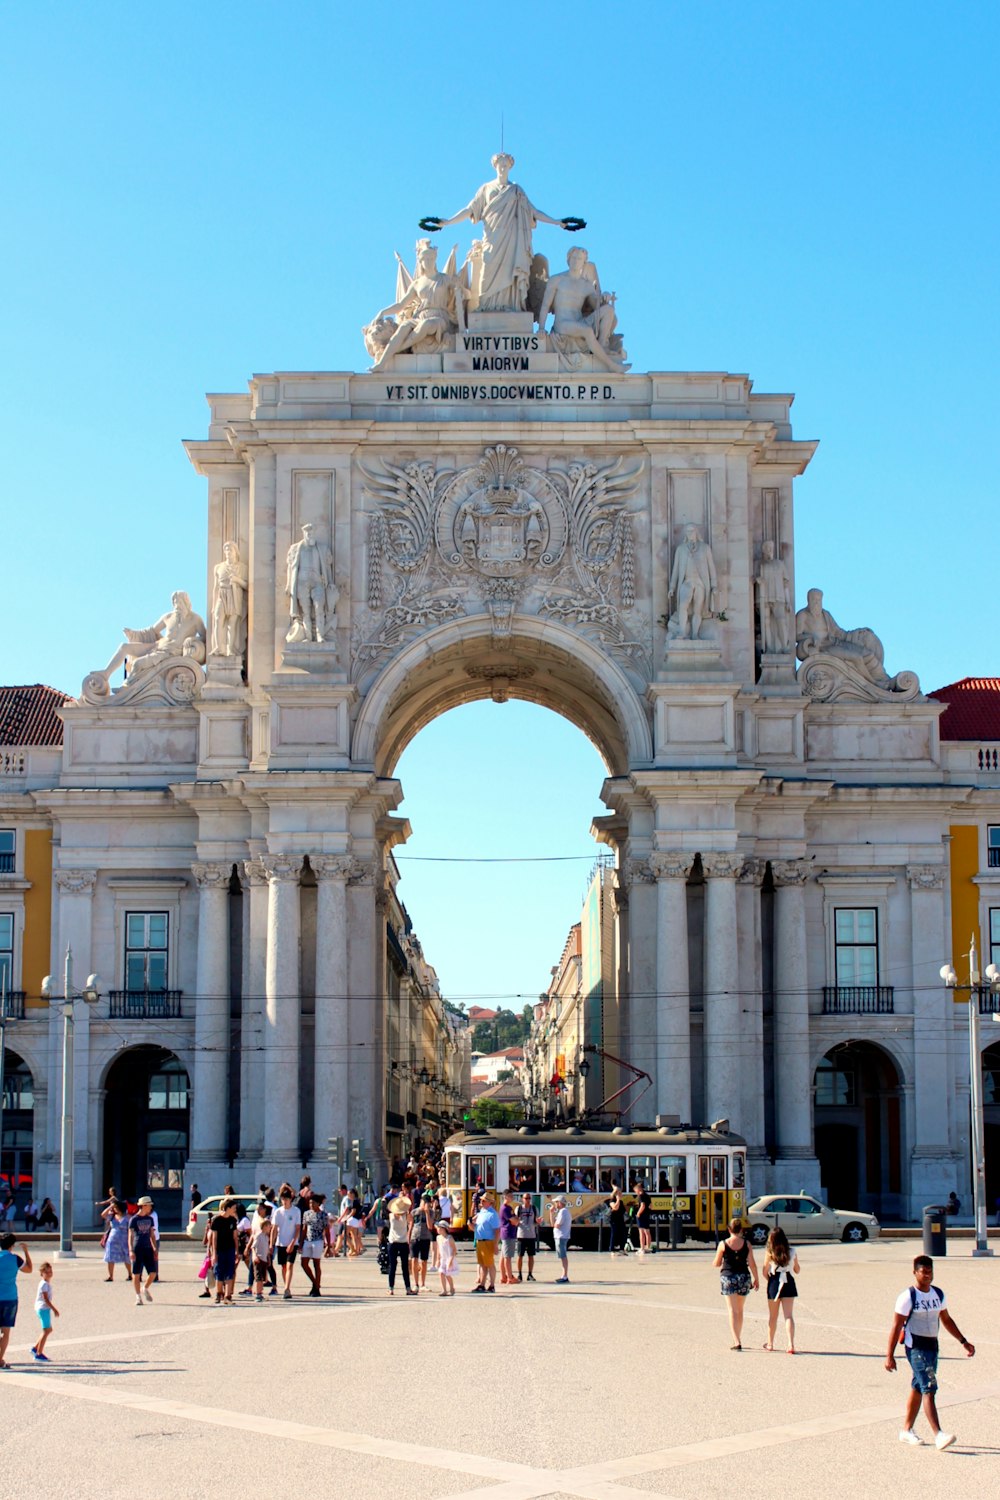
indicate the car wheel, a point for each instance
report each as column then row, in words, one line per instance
column 758, row 1234
column 854, row 1234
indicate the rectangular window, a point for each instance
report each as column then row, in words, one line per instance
column 146, row 950
column 552, row 1174
column 834, row 1085
column 6, row 851
column 454, row 1161
column 523, row 1176
column 856, row 945
column 582, row 1174
column 993, row 846
column 666, row 1162
column 640, row 1170
column 718, row 1171
column 612, row 1173
column 994, row 935
column 7, row 947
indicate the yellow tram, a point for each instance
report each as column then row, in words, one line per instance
column 584, row 1165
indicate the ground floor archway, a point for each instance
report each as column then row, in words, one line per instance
column 146, row 1129
column 858, row 1129
column 17, row 1154
column 991, row 1113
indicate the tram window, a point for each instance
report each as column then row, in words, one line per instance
column 703, row 1171
column 552, row 1172
column 718, row 1171
column 491, row 1172
column 475, row 1171
column 582, row 1174
column 666, row 1162
column 612, row 1173
column 739, row 1169
column 523, row 1174
column 640, row 1169
column 454, row 1160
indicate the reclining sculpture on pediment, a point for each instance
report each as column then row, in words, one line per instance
column 430, row 306
column 584, row 317
column 162, row 662
column 845, row 665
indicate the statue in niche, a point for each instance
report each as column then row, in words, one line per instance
column 774, row 600
column 693, row 585
column 431, row 305
column 312, row 594
column 179, row 632
column 583, row 317
column 508, row 217
column 229, row 606
column 816, row 632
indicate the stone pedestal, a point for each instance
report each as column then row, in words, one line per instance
column 777, row 675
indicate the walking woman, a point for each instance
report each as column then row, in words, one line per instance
column 400, row 1228
column 781, row 1266
column 616, row 1218
column 734, row 1259
column 116, row 1240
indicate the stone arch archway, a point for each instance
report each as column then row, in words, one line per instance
column 541, row 662
column 17, row 1154
column 857, row 1090
column 146, row 1127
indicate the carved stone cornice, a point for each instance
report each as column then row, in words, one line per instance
column 752, row 871
column 789, row 871
column 254, row 872
column 75, row 882
column 671, row 864
column 212, row 876
column 282, row 868
column 721, row 864
column 331, row 866
column 926, row 877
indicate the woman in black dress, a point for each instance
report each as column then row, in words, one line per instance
column 616, row 1218
column 734, row 1260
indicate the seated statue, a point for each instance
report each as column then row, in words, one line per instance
column 584, row 317
column 431, row 306
column 180, row 632
column 816, row 631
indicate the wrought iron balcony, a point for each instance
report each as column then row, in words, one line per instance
column 7, row 862
column 15, row 1005
column 857, row 1000
column 993, row 857
column 989, row 1003
column 145, row 1005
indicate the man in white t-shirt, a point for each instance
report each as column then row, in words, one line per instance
column 919, row 1310
column 287, row 1222
column 562, row 1223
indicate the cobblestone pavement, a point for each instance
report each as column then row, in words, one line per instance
column 621, row 1384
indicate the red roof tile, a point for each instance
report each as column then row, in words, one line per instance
column 28, row 715
column 973, row 711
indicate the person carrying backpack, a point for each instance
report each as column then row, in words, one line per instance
column 919, row 1310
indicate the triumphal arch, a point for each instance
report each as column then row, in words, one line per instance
column 501, row 507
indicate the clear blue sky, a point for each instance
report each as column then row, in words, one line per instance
column 197, row 192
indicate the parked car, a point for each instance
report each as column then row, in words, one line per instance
column 209, row 1207
column 804, row 1218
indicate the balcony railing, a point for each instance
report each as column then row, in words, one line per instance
column 993, row 857
column 145, row 1005
column 15, row 1005
column 989, row 1004
column 7, row 862
column 857, row 1000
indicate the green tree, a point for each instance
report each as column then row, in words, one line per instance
column 487, row 1112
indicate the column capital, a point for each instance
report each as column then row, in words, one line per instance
column 282, row 868
column 254, row 872
column 671, row 864
column 75, row 882
column 926, row 877
column 789, row 871
column 331, row 866
column 721, row 864
column 751, row 872
column 363, row 871
column 637, row 872
column 212, row 876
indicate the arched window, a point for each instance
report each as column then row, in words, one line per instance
column 168, row 1086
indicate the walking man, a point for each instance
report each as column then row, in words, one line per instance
column 919, row 1309
column 561, row 1220
column 287, row 1221
column 486, row 1232
column 143, row 1248
column 527, row 1235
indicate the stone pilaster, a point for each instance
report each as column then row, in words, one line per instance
column 796, row 1166
column 722, row 990
column 331, row 1036
column 933, row 1164
column 282, row 1010
column 748, row 884
column 256, row 887
column 673, row 984
column 74, row 925
column 640, row 1029
column 210, row 1103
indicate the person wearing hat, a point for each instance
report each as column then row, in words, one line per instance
column 400, row 1228
column 143, row 1245
column 561, row 1220
column 486, row 1233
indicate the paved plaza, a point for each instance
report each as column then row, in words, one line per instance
column 617, row 1386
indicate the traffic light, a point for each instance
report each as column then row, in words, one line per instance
column 335, row 1152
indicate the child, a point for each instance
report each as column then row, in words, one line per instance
column 44, row 1307
column 260, row 1248
column 447, row 1258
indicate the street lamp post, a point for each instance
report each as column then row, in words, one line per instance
column 977, row 1133
column 66, row 1159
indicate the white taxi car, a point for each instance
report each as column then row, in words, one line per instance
column 805, row 1218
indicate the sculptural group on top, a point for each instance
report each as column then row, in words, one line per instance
column 501, row 273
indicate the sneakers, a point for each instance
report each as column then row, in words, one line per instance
column 138, row 1300
column 530, row 1277
column 479, row 1289
column 148, row 1296
column 944, row 1440
column 491, row 1288
column 907, row 1435
column 287, row 1295
column 43, row 1358
column 246, row 1292
column 562, row 1281
column 273, row 1292
column 519, row 1276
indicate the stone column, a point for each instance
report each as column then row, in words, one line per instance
column 282, row 1011
column 673, row 985
column 796, row 1166
column 934, row 1167
column 74, row 925
column 640, row 1030
column 748, row 884
column 255, row 883
column 210, row 1085
column 722, row 991
column 331, row 1037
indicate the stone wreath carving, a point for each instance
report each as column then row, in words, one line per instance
column 500, row 536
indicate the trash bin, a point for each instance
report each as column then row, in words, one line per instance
column 935, row 1229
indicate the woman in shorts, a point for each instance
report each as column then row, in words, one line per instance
column 315, row 1241
column 781, row 1266
column 420, row 1239
column 738, row 1275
